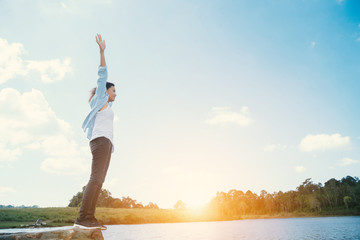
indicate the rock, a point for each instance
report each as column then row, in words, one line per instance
column 60, row 233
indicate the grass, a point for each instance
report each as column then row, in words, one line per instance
column 14, row 217
column 136, row 216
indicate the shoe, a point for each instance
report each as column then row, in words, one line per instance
column 94, row 220
column 86, row 224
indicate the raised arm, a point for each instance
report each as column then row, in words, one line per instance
column 102, row 46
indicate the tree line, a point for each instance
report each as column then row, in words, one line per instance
column 335, row 196
column 106, row 200
column 22, row 206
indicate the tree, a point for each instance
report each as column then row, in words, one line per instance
column 331, row 192
column 117, row 203
column 348, row 180
column 347, row 200
column 152, row 205
column 179, row 205
column 314, row 203
column 76, row 200
column 104, row 199
column 128, row 202
column 250, row 199
column 306, row 195
column 307, row 187
column 138, row 205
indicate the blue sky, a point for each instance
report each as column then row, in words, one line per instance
column 212, row 96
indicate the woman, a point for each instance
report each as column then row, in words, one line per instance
column 99, row 123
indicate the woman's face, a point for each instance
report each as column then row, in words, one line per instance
column 112, row 94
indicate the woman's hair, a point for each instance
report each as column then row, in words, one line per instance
column 93, row 91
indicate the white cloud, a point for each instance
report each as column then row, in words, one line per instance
column 7, row 154
column 12, row 64
column 347, row 161
column 52, row 70
column 28, row 115
column 300, row 169
column 224, row 115
column 64, row 157
column 313, row 43
column 27, row 122
column 274, row 147
column 324, row 142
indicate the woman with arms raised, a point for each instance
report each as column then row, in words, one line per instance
column 99, row 123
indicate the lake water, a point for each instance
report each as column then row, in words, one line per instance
column 269, row 229
column 289, row 228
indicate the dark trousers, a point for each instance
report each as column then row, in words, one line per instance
column 101, row 151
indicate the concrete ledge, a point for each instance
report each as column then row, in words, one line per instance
column 66, row 233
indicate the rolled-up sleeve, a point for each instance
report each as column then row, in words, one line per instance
column 101, row 81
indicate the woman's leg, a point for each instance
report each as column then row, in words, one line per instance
column 106, row 166
column 101, row 157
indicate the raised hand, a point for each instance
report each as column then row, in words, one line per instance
column 100, row 42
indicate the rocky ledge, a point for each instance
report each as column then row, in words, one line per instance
column 66, row 233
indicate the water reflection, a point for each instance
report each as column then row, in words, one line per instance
column 320, row 228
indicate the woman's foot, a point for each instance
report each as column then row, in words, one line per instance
column 89, row 224
column 94, row 220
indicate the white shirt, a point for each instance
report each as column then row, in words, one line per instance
column 103, row 126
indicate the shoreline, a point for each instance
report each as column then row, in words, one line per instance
column 57, row 217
